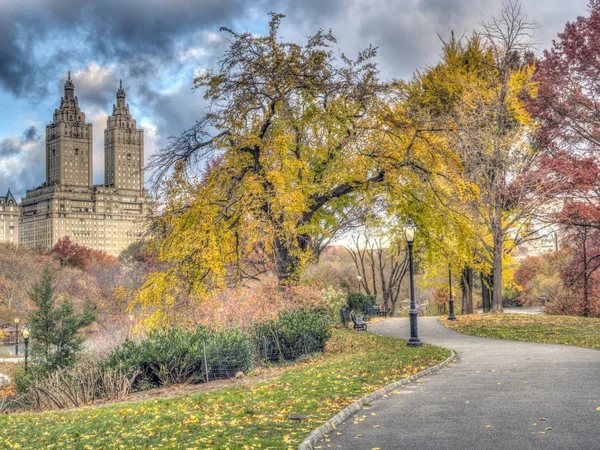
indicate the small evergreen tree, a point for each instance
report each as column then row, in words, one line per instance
column 55, row 342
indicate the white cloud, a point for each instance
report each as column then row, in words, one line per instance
column 192, row 53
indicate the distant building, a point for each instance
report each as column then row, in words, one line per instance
column 548, row 236
column 546, row 242
column 9, row 219
column 106, row 217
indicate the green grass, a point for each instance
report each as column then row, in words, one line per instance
column 241, row 417
column 568, row 330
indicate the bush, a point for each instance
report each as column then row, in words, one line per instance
column 333, row 301
column 175, row 356
column 291, row 336
column 360, row 302
column 229, row 352
column 82, row 384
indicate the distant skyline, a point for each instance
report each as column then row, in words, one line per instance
column 156, row 46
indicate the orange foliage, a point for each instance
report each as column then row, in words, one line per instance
column 261, row 301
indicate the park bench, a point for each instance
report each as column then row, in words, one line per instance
column 359, row 324
column 382, row 312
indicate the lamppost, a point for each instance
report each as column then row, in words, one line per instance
column 16, row 337
column 410, row 229
column 359, row 279
column 451, row 315
column 26, row 340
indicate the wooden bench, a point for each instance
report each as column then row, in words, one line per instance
column 359, row 324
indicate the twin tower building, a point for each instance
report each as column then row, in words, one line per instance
column 106, row 217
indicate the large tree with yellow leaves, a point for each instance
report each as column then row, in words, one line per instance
column 292, row 135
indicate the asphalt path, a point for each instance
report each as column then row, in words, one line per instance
column 498, row 394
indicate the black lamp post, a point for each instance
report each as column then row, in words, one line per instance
column 26, row 340
column 16, row 337
column 451, row 315
column 410, row 229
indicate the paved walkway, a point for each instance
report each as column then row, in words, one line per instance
column 497, row 395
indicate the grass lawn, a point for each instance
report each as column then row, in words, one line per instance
column 239, row 417
column 578, row 331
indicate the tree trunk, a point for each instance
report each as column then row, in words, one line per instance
column 486, row 292
column 466, row 284
column 287, row 263
column 497, row 282
column 586, row 289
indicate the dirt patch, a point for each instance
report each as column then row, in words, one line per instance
column 190, row 389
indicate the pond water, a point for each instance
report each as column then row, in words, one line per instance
column 9, row 349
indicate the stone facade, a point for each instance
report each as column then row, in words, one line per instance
column 106, row 217
column 9, row 219
column 123, row 148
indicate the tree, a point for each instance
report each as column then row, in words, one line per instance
column 567, row 107
column 16, row 266
column 583, row 230
column 466, row 286
column 54, row 328
column 381, row 264
column 479, row 93
column 288, row 120
column 70, row 253
column 568, row 79
column 293, row 131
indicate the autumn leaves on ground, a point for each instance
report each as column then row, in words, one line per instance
column 244, row 417
column 578, row 331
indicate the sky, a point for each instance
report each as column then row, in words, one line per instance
column 156, row 47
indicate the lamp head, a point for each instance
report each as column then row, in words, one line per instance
column 410, row 230
column 17, row 321
column 26, row 333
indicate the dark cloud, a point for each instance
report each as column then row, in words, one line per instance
column 146, row 42
column 9, row 147
column 31, row 134
column 48, row 36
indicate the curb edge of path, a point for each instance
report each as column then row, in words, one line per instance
column 316, row 435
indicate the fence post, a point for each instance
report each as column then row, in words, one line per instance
column 205, row 362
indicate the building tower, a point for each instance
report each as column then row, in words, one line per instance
column 69, row 143
column 123, row 148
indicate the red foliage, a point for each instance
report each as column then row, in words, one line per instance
column 441, row 296
column 527, row 270
column 568, row 78
column 70, row 253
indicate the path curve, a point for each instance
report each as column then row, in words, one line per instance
column 493, row 397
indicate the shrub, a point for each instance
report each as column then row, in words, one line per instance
column 333, row 301
column 7, row 394
column 360, row 302
column 175, row 356
column 82, row 384
column 292, row 335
